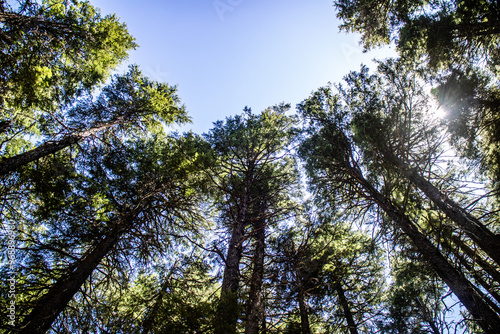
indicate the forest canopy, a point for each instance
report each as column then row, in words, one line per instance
column 359, row 210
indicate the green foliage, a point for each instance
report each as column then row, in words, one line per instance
column 149, row 176
column 360, row 138
column 254, row 178
column 53, row 50
column 315, row 258
column 52, row 183
column 132, row 103
column 471, row 103
column 56, row 55
column 445, row 33
column 133, row 178
column 181, row 296
column 413, row 299
column 251, row 155
column 459, row 41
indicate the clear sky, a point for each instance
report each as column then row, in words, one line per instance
column 227, row 54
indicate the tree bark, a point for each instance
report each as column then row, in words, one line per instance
column 9, row 165
column 472, row 299
column 59, row 295
column 353, row 329
column 477, row 277
column 42, row 26
column 231, row 278
column 487, row 240
column 254, row 306
column 304, row 316
column 491, row 270
column 227, row 312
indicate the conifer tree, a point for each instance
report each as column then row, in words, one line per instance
column 336, row 166
column 149, row 189
column 326, row 267
column 52, row 52
column 252, row 174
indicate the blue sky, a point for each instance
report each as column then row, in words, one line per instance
column 228, row 54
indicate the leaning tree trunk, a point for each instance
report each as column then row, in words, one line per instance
column 9, row 165
column 482, row 236
column 468, row 264
column 353, row 329
column 254, row 306
column 479, row 280
column 488, row 267
column 471, row 298
column 59, row 295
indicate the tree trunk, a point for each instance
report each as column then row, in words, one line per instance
column 353, row 329
column 487, row 240
column 9, row 165
column 491, row 270
column 461, row 287
column 59, row 295
column 228, row 309
column 254, row 306
column 477, row 277
column 304, row 316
